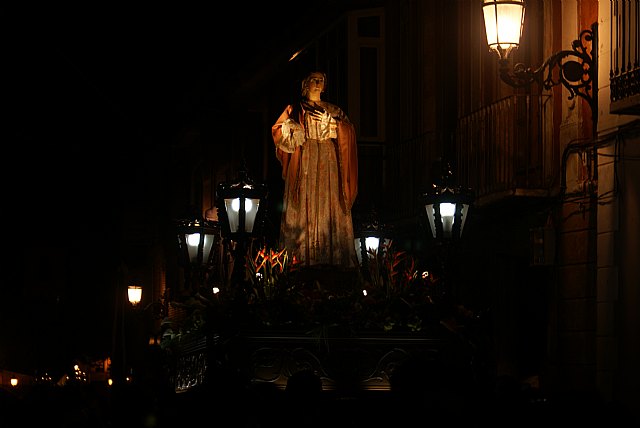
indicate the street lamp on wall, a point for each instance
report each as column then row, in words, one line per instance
column 134, row 293
column 447, row 208
column 577, row 69
column 503, row 22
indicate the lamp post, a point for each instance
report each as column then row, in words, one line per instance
column 577, row 69
column 241, row 208
column 447, row 208
column 140, row 327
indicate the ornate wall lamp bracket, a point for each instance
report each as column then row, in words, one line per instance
column 576, row 70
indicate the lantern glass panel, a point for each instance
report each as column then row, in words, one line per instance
column 463, row 216
column 503, row 23
column 233, row 214
column 372, row 243
column 232, row 206
column 431, row 215
column 447, row 211
column 134, row 293
column 251, row 208
column 207, row 247
column 193, row 240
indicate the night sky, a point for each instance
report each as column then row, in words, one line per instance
column 91, row 89
column 94, row 95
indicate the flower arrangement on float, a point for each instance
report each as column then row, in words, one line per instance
column 393, row 295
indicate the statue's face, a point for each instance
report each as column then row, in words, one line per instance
column 316, row 81
column 315, row 85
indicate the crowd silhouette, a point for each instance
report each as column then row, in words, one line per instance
column 419, row 393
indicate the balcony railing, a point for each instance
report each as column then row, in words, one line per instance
column 625, row 57
column 505, row 149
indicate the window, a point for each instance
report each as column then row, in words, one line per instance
column 366, row 74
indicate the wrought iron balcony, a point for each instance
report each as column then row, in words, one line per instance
column 505, row 149
column 625, row 57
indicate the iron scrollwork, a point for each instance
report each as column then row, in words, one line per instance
column 577, row 69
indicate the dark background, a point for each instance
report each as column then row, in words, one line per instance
column 95, row 98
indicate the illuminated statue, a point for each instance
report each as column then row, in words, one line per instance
column 316, row 146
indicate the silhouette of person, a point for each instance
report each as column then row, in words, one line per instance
column 304, row 397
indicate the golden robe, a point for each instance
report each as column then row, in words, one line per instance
column 320, row 171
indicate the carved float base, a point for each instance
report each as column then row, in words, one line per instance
column 343, row 363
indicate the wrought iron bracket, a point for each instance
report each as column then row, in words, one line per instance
column 577, row 71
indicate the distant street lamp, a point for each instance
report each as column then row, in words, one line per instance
column 138, row 330
column 241, row 208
